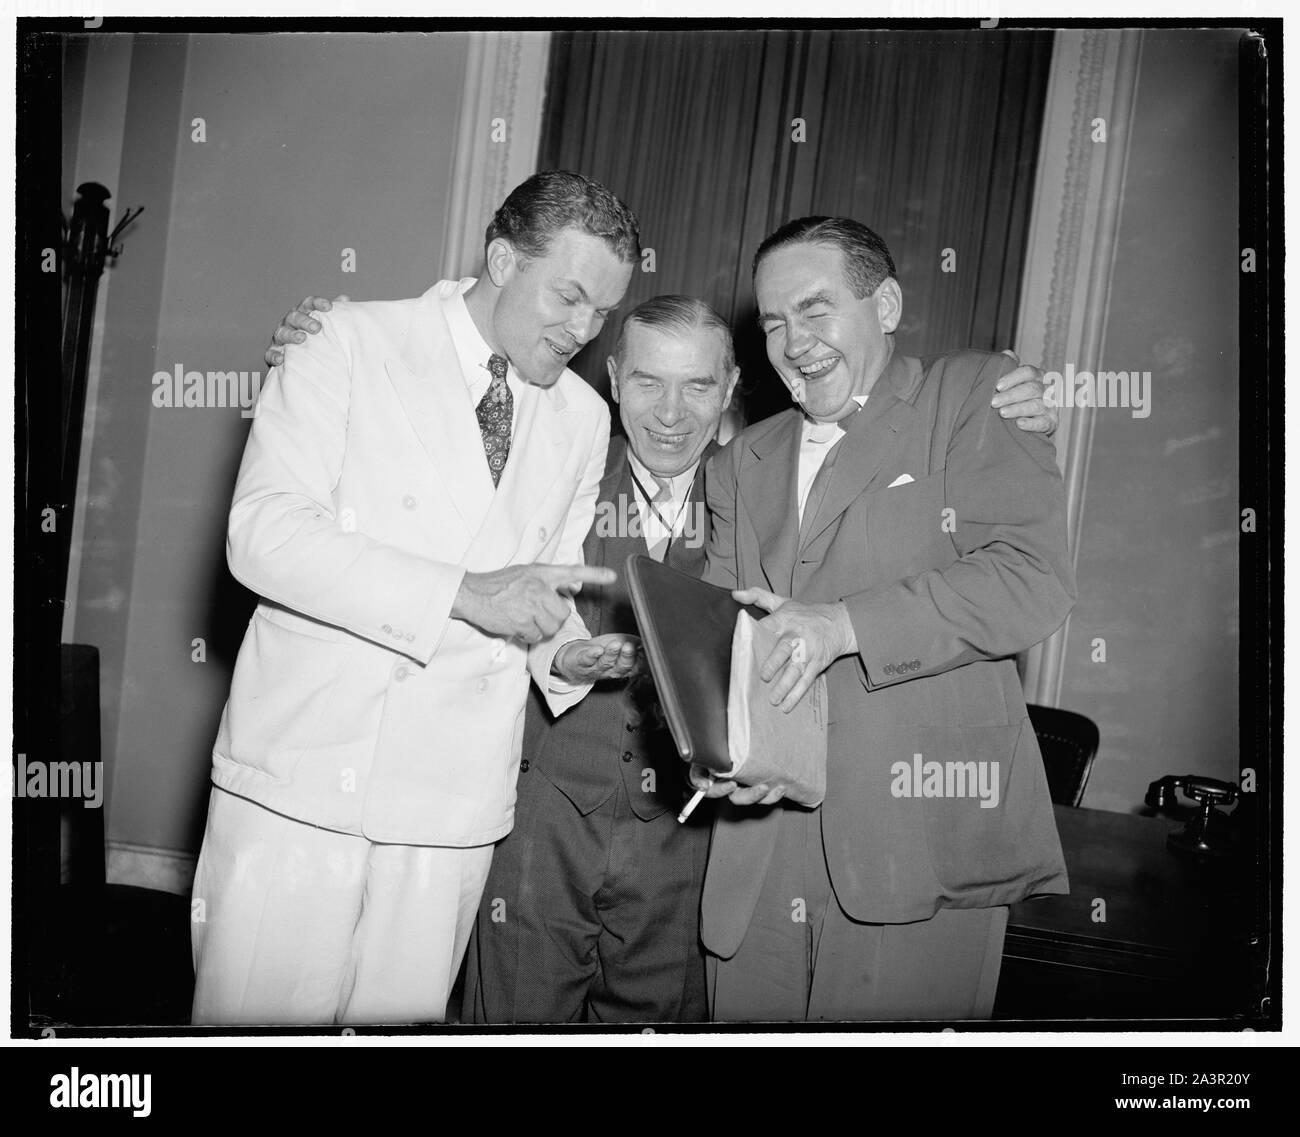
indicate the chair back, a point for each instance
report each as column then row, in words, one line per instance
column 1069, row 744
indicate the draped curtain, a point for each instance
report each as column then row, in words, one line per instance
column 929, row 137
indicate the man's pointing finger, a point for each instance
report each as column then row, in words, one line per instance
column 559, row 576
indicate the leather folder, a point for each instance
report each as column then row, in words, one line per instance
column 687, row 627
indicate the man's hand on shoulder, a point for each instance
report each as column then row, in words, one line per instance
column 810, row 638
column 614, row 656
column 1020, row 396
column 297, row 324
column 526, row 602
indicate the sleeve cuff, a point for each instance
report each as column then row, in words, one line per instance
column 560, row 693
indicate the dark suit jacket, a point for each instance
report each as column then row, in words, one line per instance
column 616, row 732
column 946, row 578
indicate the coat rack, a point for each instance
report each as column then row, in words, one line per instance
column 87, row 244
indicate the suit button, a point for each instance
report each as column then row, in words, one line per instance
column 889, row 669
column 388, row 628
column 915, row 665
column 408, row 502
column 410, row 637
column 541, row 533
column 481, row 686
column 627, row 756
column 401, row 673
column 628, row 726
column 523, row 766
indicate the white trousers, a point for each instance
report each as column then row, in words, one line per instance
column 292, row 924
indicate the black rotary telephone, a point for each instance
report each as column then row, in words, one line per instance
column 1207, row 832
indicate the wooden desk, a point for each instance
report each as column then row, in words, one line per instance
column 1144, row 933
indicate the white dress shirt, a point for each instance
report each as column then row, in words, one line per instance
column 673, row 510
column 818, row 440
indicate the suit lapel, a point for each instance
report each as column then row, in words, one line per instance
column 428, row 382
column 615, row 488
column 769, row 486
column 616, row 478
column 868, row 440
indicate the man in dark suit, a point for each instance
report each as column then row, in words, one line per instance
column 909, row 543
column 591, row 909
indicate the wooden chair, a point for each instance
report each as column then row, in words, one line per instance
column 1069, row 744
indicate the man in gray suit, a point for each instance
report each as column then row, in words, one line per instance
column 909, row 545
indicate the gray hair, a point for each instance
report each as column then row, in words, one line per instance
column 680, row 315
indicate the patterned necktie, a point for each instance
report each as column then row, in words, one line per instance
column 495, row 411
column 663, row 495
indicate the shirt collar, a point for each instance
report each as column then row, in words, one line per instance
column 826, row 431
column 470, row 345
column 679, row 486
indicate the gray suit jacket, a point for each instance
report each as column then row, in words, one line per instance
column 946, row 577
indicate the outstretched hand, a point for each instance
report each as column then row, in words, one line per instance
column 614, row 656
column 526, row 602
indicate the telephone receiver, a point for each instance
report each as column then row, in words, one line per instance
column 1207, row 832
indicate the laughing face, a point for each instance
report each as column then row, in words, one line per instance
column 825, row 343
column 671, row 389
column 549, row 307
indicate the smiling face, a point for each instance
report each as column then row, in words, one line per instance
column 671, row 389
column 549, row 307
column 823, row 340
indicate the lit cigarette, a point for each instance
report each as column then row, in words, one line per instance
column 690, row 805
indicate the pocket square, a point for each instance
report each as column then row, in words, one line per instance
column 901, row 480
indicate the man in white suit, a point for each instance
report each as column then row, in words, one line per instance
column 411, row 509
